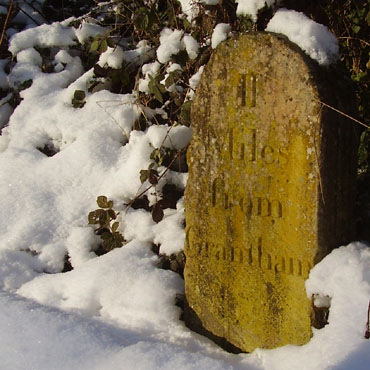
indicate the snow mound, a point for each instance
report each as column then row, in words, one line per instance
column 123, row 285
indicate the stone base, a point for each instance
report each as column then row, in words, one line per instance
column 193, row 322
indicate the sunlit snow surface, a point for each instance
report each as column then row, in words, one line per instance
column 117, row 311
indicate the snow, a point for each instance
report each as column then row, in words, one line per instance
column 189, row 8
column 171, row 44
column 251, row 7
column 314, row 38
column 192, row 46
column 193, row 82
column 169, row 233
column 112, row 57
column 220, row 33
column 87, row 30
column 56, row 34
column 149, row 69
column 29, row 56
column 117, row 310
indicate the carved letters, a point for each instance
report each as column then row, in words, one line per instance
column 252, row 254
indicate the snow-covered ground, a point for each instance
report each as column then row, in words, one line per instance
column 117, row 311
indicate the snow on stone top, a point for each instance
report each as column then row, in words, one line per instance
column 220, row 33
column 314, row 38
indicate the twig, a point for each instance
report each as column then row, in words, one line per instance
column 115, row 121
column 324, row 104
column 343, row 114
column 27, row 15
column 318, row 163
column 354, row 38
column 37, row 11
column 162, row 174
column 6, row 21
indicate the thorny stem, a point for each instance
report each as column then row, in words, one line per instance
column 354, row 38
column 30, row 17
column 6, row 21
column 324, row 104
column 162, row 174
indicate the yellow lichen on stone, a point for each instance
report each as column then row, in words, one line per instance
column 253, row 199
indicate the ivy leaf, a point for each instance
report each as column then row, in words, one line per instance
column 157, row 213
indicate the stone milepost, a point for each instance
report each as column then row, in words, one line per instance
column 270, row 191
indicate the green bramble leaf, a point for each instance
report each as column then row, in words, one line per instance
column 153, row 177
column 144, row 174
column 157, row 213
column 94, row 45
column 93, row 218
column 25, row 85
column 110, row 42
column 115, row 226
column 112, row 214
column 78, row 100
column 184, row 117
column 173, row 78
column 102, row 201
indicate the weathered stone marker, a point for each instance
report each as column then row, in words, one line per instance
column 270, row 190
